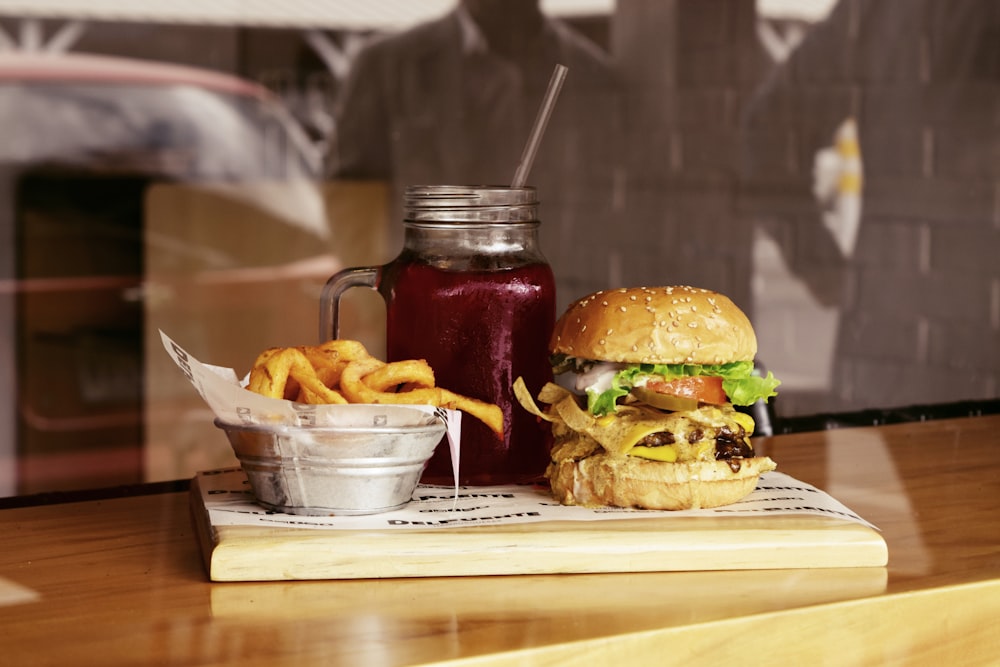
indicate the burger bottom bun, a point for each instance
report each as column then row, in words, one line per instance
column 634, row 482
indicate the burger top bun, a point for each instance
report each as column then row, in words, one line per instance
column 655, row 325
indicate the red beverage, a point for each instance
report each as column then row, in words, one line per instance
column 472, row 294
column 479, row 330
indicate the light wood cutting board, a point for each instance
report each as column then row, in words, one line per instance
column 659, row 544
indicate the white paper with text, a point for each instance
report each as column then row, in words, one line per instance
column 229, row 501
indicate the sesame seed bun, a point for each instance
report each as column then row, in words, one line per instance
column 658, row 325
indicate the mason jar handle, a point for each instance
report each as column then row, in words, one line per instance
column 329, row 301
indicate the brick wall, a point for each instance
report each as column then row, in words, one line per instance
column 721, row 147
column 919, row 300
column 688, row 68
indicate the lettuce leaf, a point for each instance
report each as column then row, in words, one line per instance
column 749, row 390
column 604, row 402
column 742, row 384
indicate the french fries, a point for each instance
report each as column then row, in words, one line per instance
column 288, row 370
column 342, row 371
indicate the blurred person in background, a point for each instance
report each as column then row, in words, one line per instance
column 917, row 281
column 452, row 101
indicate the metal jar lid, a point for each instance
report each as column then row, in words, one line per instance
column 470, row 203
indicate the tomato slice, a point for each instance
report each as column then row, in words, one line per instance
column 703, row 388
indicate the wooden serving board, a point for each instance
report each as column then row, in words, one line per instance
column 656, row 544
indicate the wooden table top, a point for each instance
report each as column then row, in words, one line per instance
column 121, row 582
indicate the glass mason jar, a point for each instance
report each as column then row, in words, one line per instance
column 472, row 294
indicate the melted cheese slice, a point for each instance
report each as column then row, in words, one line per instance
column 666, row 453
column 694, row 432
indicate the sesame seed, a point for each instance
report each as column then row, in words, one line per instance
column 621, row 308
column 693, row 325
column 610, row 331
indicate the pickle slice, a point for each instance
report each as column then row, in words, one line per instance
column 664, row 401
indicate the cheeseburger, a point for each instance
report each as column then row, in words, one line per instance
column 642, row 414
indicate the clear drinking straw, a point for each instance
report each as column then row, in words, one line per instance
column 538, row 129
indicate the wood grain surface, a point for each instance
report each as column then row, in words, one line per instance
column 122, row 582
column 661, row 544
